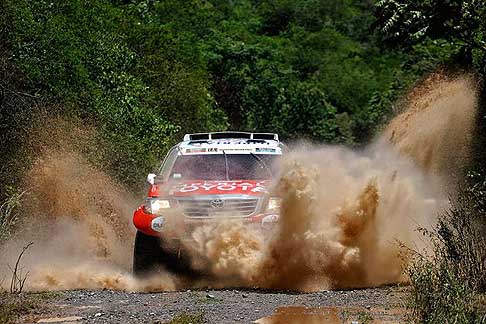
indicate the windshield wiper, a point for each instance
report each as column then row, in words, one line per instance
column 226, row 165
column 262, row 164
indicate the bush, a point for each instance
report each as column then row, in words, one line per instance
column 101, row 63
column 439, row 295
column 8, row 213
column 447, row 285
column 145, row 72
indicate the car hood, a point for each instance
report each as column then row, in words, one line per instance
column 200, row 188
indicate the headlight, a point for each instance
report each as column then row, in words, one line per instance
column 156, row 206
column 158, row 223
column 273, row 204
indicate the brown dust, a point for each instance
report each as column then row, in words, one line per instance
column 345, row 214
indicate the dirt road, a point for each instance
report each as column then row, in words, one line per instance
column 378, row 305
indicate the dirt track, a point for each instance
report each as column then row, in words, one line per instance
column 378, row 305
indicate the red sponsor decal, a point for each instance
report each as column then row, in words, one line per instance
column 241, row 187
column 192, row 188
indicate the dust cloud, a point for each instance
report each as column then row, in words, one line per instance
column 80, row 223
column 342, row 215
column 78, row 218
column 344, row 211
column 436, row 128
column 345, row 215
column 348, row 216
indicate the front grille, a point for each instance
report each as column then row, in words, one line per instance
column 204, row 208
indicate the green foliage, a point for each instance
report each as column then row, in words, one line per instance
column 85, row 55
column 16, row 119
column 8, row 215
column 13, row 306
column 463, row 232
column 439, row 296
column 146, row 72
column 446, row 285
column 312, row 66
column 185, row 318
column 460, row 24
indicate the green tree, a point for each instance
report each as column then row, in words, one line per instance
column 461, row 23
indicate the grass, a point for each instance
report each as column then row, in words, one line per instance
column 448, row 284
column 362, row 317
column 365, row 318
column 8, row 215
column 185, row 318
column 14, row 306
column 439, row 295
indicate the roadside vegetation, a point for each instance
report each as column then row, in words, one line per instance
column 449, row 284
column 8, row 213
column 142, row 73
column 186, row 318
column 25, row 305
column 12, row 307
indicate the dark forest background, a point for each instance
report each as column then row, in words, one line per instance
column 143, row 73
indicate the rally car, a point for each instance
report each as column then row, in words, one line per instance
column 208, row 177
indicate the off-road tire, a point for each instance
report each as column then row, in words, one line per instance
column 146, row 254
column 151, row 253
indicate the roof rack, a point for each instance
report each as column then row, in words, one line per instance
column 226, row 135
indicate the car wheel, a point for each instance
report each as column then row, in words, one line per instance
column 146, row 254
column 151, row 253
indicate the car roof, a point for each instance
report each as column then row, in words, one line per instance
column 230, row 143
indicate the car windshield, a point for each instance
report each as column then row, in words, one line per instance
column 213, row 167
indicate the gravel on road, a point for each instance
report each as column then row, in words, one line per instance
column 385, row 305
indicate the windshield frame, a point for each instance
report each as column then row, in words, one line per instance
column 227, row 159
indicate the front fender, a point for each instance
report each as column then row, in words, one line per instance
column 143, row 222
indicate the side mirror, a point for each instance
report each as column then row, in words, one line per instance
column 151, row 178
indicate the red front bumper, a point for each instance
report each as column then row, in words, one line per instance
column 143, row 221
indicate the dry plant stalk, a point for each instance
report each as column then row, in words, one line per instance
column 18, row 278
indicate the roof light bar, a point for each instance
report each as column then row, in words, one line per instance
column 227, row 135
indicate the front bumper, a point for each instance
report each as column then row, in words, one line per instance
column 176, row 225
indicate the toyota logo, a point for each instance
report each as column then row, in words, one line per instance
column 217, row 203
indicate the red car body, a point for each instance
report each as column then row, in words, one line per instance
column 207, row 178
column 143, row 219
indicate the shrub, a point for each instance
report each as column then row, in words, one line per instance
column 447, row 285
column 438, row 294
column 8, row 213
